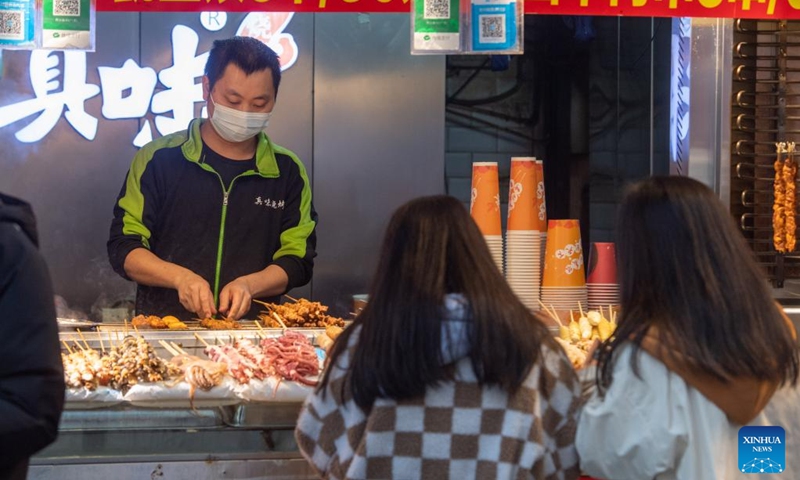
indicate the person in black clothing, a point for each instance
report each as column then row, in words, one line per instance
column 214, row 216
column 31, row 374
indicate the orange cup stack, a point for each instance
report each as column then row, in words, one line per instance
column 564, row 279
column 541, row 211
column 523, row 246
column 485, row 207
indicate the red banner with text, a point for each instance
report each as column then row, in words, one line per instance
column 788, row 9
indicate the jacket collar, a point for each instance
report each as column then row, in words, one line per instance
column 266, row 163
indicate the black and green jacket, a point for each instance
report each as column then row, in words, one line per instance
column 176, row 205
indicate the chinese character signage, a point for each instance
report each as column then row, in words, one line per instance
column 640, row 8
column 128, row 90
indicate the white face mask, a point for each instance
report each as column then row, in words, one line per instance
column 237, row 126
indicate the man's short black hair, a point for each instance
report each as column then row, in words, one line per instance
column 249, row 54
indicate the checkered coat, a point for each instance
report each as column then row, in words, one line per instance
column 459, row 430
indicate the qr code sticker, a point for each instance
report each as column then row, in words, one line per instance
column 437, row 9
column 493, row 28
column 67, row 8
column 12, row 25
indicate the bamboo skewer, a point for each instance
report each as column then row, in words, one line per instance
column 80, row 334
column 79, row 345
column 67, row 346
column 291, row 298
column 198, row 337
column 126, row 327
column 102, row 347
column 278, row 318
column 261, row 332
column 555, row 314
column 178, row 348
column 551, row 315
column 581, row 309
column 268, row 305
column 167, row 347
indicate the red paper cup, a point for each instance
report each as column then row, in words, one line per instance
column 602, row 263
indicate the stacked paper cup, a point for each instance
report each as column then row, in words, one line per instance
column 541, row 211
column 485, row 207
column 602, row 279
column 564, row 281
column 523, row 256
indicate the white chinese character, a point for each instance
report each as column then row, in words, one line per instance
column 258, row 201
column 141, row 81
column 44, row 71
column 182, row 92
column 274, row 204
column 280, row 204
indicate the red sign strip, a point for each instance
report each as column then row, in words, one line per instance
column 784, row 9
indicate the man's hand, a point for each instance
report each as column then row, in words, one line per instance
column 235, row 298
column 195, row 294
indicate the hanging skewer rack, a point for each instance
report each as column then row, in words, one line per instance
column 765, row 111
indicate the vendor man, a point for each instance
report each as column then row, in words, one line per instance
column 214, row 216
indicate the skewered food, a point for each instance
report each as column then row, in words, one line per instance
column 239, row 367
column 173, row 323
column 84, row 368
column 301, row 313
column 214, row 324
column 135, row 361
column 199, row 373
column 580, row 335
column 326, row 340
column 292, row 357
column 150, row 321
column 576, row 356
column 784, row 227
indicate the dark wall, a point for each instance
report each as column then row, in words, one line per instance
column 629, row 111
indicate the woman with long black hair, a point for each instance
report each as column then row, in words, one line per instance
column 700, row 349
column 445, row 373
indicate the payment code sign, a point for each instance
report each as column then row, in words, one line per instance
column 762, row 450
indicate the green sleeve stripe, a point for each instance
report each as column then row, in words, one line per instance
column 132, row 203
column 294, row 240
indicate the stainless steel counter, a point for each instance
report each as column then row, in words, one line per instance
column 125, row 442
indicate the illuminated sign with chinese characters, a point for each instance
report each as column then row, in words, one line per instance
column 129, row 91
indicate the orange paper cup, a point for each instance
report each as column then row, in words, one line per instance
column 485, row 204
column 522, row 194
column 540, row 207
column 563, row 260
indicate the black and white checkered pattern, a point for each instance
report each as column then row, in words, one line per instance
column 459, row 430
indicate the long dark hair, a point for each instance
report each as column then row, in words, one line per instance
column 685, row 269
column 432, row 248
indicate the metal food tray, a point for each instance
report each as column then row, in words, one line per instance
column 126, row 417
column 71, row 324
column 186, row 339
column 262, row 415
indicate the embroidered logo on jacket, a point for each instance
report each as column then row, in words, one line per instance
column 269, row 203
